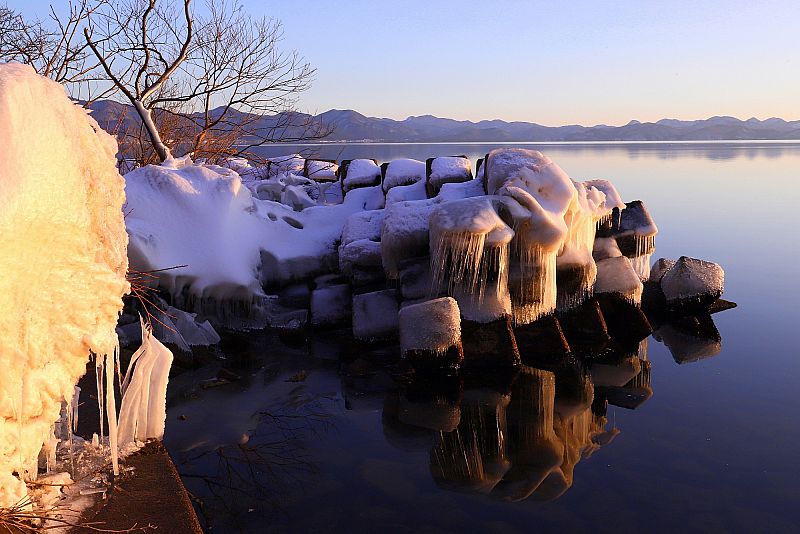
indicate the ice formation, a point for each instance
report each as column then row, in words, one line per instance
column 401, row 172
column 469, row 256
column 62, row 259
column 545, row 193
column 616, row 275
column 144, row 392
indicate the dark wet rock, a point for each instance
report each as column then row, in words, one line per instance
column 331, row 305
column 585, row 328
column 540, row 338
column 296, row 296
column 720, row 305
column 626, row 322
column 571, row 282
column 690, row 338
column 654, row 303
column 415, row 280
column 490, row 344
column 692, row 285
column 375, row 315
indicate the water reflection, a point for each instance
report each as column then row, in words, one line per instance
column 521, row 436
column 713, row 151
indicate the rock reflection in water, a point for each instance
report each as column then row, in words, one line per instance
column 520, row 437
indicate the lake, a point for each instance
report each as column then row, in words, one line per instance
column 310, row 438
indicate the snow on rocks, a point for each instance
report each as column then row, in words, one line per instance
column 401, row 193
column 693, row 283
column 360, row 247
column 288, row 164
column 375, row 315
column 660, row 268
column 446, row 169
column 62, row 258
column 359, row 173
column 405, row 233
column 401, row 172
column 430, row 334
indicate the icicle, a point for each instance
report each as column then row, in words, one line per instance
column 98, row 370
column 111, row 410
column 76, row 397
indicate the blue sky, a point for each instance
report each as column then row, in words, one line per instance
column 548, row 62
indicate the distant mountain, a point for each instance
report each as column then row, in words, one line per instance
column 349, row 125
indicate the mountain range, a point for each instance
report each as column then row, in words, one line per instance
column 351, row 126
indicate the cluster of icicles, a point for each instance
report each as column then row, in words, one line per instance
column 142, row 414
column 499, row 254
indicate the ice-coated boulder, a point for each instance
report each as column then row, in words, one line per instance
column 375, row 315
column 357, row 173
column 660, row 268
column 430, row 334
column 360, row 247
column 693, row 283
column 616, row 275
column 400, row 172
column 331, row 305
column 636, row 230
column 446, row 169
column 605, row 247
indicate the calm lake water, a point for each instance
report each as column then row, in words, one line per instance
column 349, row 449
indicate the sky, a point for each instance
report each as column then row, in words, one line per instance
column 550, row 62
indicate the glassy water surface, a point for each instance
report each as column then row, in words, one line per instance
column 320, row 435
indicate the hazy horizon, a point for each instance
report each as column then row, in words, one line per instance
column 583, row 63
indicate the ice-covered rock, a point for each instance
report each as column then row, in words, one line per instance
column 605, row 247
column 320, row 170
column 359, row 173
column 459, row 190
column 405, row 233
column 401, row 193
column 693, row 283
column 430, row 333
column 415, row 280
column 360, row 246
column 469, row 256
column 616, row 275
column 62, row 259
column 331, row 305
column 446, row 169
column 400, row 172
column 636, row 231
column 660, row 268
column 375, row 315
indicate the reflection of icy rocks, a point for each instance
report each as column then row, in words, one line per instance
column 690, row 338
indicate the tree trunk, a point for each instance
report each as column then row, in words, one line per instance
column 146, row 115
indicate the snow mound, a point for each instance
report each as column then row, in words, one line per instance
column 62, row 259
column 448, row 169
column 228, row 242
column 320, row 170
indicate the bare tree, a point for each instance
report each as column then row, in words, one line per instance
column 214, row 85
column 56, row 48
column 148, row 46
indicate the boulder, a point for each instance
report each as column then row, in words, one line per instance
column 446, row 169
column 585, row 328
column 490, row 344
column 635, row 232
column 541, row 338
column 331, row 305
column 355, row 173
column 692, row 284
column 402, row 172
column 430, row 334
column 375, row 315
column 616, row 276
column 626, row 322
